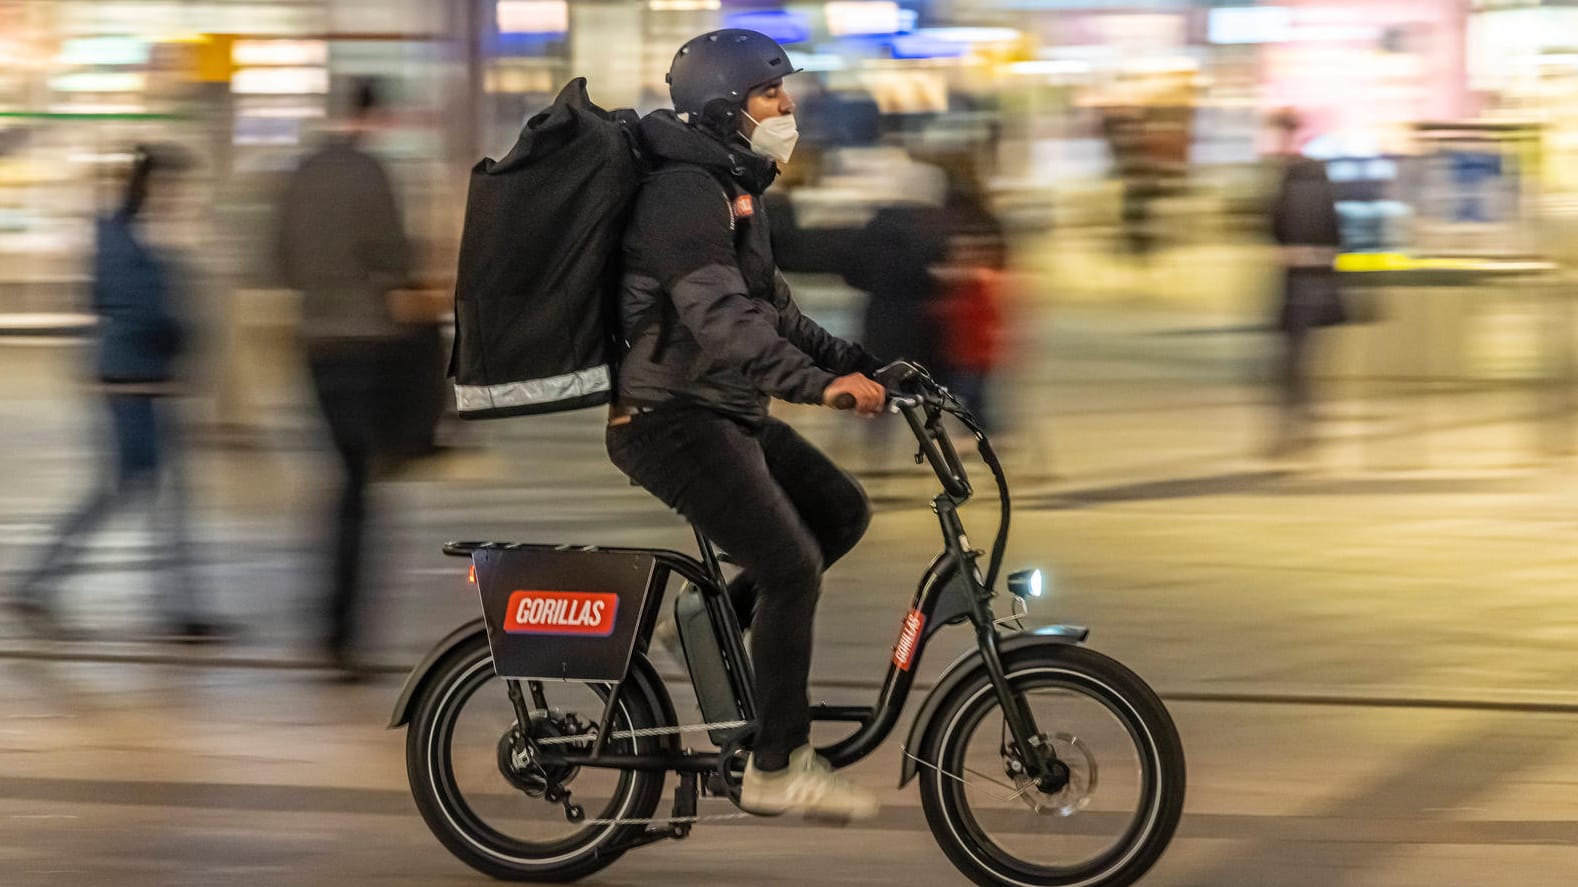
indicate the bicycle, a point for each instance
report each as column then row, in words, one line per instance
column 1005, row 746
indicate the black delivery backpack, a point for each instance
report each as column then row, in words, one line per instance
column 535, row 292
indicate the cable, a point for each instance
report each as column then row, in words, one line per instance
column 988, row 455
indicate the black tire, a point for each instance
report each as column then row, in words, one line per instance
column 429, row 767
column 1127, row 698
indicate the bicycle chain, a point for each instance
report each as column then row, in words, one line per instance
column 644, row 732
column 669, row 820
column 641, row 734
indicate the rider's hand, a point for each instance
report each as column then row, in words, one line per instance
column 869, row 397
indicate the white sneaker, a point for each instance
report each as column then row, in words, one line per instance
column 808, row 786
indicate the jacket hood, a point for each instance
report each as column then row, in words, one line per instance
column 673, row 140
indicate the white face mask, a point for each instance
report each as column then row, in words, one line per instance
column 775, row 137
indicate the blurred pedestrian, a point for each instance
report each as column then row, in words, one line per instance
column 969, row 306
column 1304, row 224
column 140, row 334
column 340, row 240
column 1139, row 177
column 893, row 260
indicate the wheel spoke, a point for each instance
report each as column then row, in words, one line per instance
column 1002, row 785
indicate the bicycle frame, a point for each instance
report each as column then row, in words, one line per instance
column 943, row 597
column 952, row 590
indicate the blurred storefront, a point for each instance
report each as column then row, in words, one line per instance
column 245, row 84
column 1030, row 86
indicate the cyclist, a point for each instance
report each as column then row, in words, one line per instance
column 714, row 334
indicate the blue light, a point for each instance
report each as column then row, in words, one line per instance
column 527, row 45
column 779, row 24
column 919, row 46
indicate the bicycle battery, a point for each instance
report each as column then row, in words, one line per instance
column 704, row 656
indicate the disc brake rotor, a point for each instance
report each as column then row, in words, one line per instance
column 1075, row 794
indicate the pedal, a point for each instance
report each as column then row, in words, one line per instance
column 716, row 787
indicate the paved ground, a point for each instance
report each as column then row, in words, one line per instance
column 1370, row 654
column 175, row 775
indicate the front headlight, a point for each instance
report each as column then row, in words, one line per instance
column 1026, row 584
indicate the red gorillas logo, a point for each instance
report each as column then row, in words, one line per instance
column 909, row 639
column 586, row 613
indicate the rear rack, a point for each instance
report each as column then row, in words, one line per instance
column 464, row 549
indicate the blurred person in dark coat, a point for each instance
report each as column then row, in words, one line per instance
column 140, row 334
column 1140, row 178
column 340, row 240
column 969, row 311
column 1304, row 225
column 891, row 260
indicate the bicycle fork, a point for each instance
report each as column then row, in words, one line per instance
column 1039, row 760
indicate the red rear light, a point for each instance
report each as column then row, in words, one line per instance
column 472, row 576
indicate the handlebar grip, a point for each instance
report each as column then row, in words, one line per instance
column 845, row 401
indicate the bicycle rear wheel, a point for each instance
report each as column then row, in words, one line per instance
column 491, row 806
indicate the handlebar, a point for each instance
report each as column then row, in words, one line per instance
column 915, row 395
column 935, row 446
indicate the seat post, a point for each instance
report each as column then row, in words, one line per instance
column 709, row 557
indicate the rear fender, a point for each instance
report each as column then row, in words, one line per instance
column 640, row 668
column 406, row 704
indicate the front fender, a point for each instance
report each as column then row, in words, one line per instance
column 418, row 675
column 963, row 669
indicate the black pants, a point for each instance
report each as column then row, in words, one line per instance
column 359, row 390
column 1293, row 381
column 783, row 512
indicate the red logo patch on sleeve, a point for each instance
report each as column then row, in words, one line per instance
column 585, row 613
column 743, row 207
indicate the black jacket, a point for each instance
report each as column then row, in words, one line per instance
column 1305, row 214
column 892, row 261
column 1305, row 211
column 708, row 316
column 340, row 240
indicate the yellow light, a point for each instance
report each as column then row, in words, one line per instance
column 684, row 5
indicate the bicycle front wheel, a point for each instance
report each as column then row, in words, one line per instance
column 1107, row 811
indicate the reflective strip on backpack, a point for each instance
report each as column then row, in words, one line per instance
column 532, row 392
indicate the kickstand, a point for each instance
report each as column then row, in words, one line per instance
column 684, row 805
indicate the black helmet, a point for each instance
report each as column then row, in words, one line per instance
column 712, row 74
